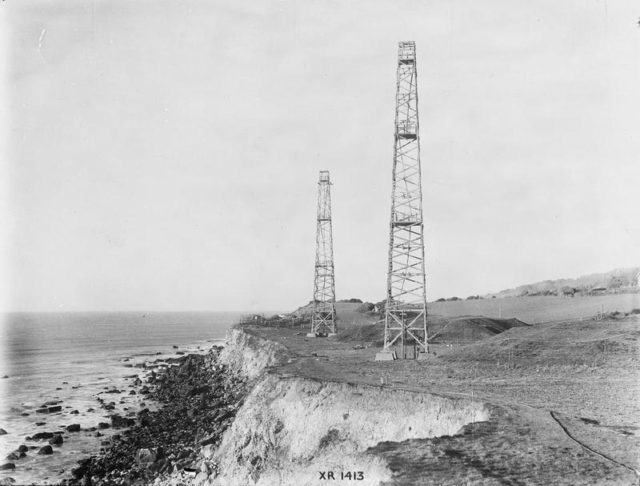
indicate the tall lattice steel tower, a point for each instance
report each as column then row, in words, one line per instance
column 323, row 322
column 405, row 323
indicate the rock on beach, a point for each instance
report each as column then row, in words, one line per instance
column 198, row 398
column 45, row 450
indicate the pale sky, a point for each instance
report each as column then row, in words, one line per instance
column 164, row 155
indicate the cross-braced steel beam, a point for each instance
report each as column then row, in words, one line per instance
column 323, row 321
column 405, row 324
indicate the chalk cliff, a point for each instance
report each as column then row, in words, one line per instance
column 293, row 430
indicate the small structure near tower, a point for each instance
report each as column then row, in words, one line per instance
column 405, row 322
column 323, row 321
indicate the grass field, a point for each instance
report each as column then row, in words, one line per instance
column 533, row 310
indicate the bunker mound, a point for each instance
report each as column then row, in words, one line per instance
column 466, row 330
column 366, row 334
column 463, row 330
column 606, row 342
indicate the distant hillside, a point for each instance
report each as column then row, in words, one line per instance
column 614, row 281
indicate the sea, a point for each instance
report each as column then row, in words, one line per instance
column 73, row 359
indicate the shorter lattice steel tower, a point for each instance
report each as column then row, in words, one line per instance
column 405, row 323
column 323, row 322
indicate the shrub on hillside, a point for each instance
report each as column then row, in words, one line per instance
column 366, row 307
column 351, row 301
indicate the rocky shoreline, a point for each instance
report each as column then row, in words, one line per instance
column 199, row 398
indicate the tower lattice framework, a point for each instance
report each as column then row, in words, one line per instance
column 323, row 321
column 405, row 324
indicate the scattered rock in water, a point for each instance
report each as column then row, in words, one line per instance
column 166, row 440
column 65, row 382
column 55, row 408
column 15, row 456
column 25, row 414
column 8, row 481
column 73, row 428
column 103, row 425
column 175, row 347
column 39, row 424
column 58, row 388
column 5, row 376
column 41, row 436
column 74, row 412
column 7, row 466
column 91, row 410
column 113, row 390
column 56, row 440
column 23, row 448
column 46, row 450
column 3, row 432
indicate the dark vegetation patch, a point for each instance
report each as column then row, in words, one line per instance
column 332, row 436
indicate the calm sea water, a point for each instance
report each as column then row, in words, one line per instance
column 74, row 358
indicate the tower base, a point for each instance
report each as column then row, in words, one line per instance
column 386, row 356
column 312, row 334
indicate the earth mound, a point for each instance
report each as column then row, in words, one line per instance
column 463, row 330
column 366, row 334
column 466, row 330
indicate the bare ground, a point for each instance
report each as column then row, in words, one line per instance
column 565, row 398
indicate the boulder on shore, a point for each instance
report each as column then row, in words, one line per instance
column 6, row 466
column 41, row 436
column 46, row 450
column 146, row 457
column 56, row 440
column 73, row 428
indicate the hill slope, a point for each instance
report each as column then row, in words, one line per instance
column 619, row 278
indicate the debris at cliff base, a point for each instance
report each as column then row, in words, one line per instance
column 199, row 400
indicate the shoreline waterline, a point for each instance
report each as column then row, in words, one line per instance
column 83, row 381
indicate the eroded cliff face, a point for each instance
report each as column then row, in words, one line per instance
column 248, row 355
column 293, row 430
column 290, row 430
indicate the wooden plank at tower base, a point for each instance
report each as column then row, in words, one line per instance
column 386, row 356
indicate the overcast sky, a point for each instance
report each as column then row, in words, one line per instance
column 164, row 155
